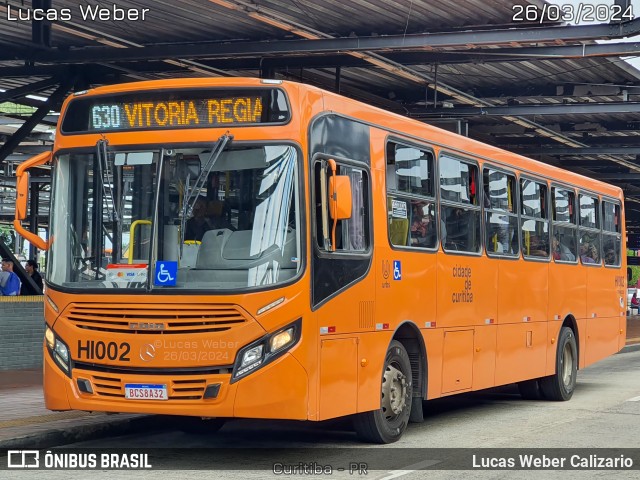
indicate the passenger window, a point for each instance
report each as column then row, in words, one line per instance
column 589, row 231
column 412, row 216
column 534, row 222
column 459, row 207
column 563, row 243
column 611, row 234
column 501, row 217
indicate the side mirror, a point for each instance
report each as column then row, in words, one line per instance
column 22, row 194
column 629, row 274
column 340, row 197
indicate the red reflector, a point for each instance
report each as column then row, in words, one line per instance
column 385, row 326
column 332, row 329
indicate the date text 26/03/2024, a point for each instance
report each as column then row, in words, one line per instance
column 572, row 13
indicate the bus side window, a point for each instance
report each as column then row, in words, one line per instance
column 611, row 235
column 459, row 205
column 411, row 197
column 534, row 222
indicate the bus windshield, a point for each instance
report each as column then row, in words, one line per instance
column 172, row 219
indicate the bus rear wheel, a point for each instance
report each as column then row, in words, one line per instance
column 387, row 424
column 560, row 386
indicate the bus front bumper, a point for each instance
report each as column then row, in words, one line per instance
column 278, row 390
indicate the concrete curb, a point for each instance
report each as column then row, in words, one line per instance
column 630, row 348
column 64, row 435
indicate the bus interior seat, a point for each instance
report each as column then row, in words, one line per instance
column 398, row 231
column 224, row 256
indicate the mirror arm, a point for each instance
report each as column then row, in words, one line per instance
column 332, row 203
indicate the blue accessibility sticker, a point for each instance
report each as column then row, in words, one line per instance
column 397, row 270
column 166, row 274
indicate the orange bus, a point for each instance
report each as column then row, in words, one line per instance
column 265, row 249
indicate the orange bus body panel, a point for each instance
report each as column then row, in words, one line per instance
column 480, row 321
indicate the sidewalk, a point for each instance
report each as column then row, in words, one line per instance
column 26, row 423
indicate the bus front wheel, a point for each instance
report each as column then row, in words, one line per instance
column 387, row 424
column 560, row 386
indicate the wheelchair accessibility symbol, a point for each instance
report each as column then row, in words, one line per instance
column 397, row 270
column 166, row 274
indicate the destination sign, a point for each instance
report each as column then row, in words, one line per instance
column 168, row 110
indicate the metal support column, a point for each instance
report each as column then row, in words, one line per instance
column 41, row 29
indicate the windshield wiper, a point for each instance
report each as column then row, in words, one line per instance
column 107, row 190
column 111, row 190
column 192, row 194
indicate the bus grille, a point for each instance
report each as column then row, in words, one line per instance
column 162, row 319
column 179, row 389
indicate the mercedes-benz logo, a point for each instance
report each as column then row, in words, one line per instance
column 147, row 352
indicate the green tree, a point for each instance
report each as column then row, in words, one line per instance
column 635, row 270
column 8, row 236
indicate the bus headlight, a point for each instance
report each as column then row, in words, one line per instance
column 265, row 350
column 58, row 350
column 251, row 356
column 281, row 340
column 50, row 337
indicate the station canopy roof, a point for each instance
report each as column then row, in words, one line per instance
column 545, row 88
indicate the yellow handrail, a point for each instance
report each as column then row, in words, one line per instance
column 132, row 234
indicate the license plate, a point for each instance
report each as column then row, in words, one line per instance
column 140, row 391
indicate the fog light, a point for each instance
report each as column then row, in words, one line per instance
column 281, row 340
column 212, row 391
column 84, row 385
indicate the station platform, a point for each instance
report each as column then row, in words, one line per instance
column 26, row 423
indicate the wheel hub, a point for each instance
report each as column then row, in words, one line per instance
column 567, row 365
column 394, row 391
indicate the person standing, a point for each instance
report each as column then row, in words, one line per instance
column 32, row 269
column 9, row 281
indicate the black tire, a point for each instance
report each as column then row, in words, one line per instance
column 198, row 425
column 530, row 390
column 559, row 386
column 387, row 424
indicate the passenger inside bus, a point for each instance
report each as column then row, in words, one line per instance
column 610, row 257
column 419, row 225
column 424, row 231
column 199, row 223
column 458, row 229
column 588, row 253
column 561, row 251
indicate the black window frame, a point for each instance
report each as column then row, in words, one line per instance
column 515, row 213
column 572, row 224
column 606, row 233
column 391, row 194
column 546, row 218
column 473, row 208
column 596, row 231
